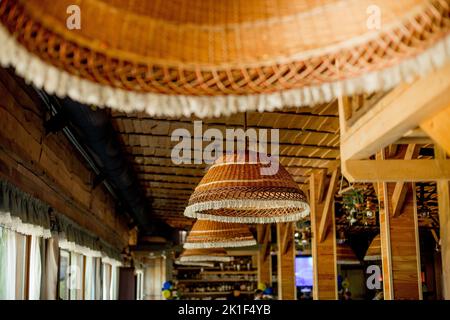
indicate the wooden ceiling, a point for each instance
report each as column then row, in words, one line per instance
column 309, row 140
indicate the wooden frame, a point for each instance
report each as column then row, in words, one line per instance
column 426, row 104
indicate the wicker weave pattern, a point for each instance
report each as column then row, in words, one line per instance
column 212, row 254
column 213, row 234
column 216, row 75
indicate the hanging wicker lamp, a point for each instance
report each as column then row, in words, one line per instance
column 210, row 58
column 213, row 234
column 374, row 251
column 345, row 255
column 212, row 254
column 236, row 189
column 195, row 263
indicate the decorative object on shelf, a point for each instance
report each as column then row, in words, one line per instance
column 358, row 207
column 211, row 254
column 373, row 253
column 345, row 255
column 247, row 187
column 214, row 234
column 246, row 56
column 168, row 291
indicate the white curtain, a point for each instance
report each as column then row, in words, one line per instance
column 106, row 281
column 50, row 274
column 76, row 276
column 89, row 282
column 114, row 294
column 34, row 292
column 11, row 255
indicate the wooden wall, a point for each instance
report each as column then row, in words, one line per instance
column 48, row 167
column 399, row 245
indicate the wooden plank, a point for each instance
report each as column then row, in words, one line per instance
column 403, row 109
column 264, row 260
column 325, row 220
column 286, row 263
column 324, row 253
column 443, row 190
column 399, row 245
column 401, row 187
column 396, row 170
column 438, row 128
column 322, row 182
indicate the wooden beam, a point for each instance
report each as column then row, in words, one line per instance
column 438, row 128
column 329, row 201
column 399, row 247
column 403, row 109
column 443, row 190
column 322, row 181
column 324, row 253
column 396, row 170
column 286, row 263
column 401, row 187
column 264, row 260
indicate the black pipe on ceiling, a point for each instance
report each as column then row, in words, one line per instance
column 94, row 128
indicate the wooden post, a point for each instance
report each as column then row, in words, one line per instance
column 324, row 253
column 443, row 190
column 399, row 244
column 286, row 261
column 264, row 258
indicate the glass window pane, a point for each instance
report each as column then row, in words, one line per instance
column 64, row 261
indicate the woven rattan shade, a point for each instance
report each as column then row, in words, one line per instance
column 345, row 255
column 216, row 57
column 235, row 190
column 374, row 251
column 213, row 234
column 212, row 254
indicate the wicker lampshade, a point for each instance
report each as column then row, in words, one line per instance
column 345, row 255
column 235, row 190
column 195, row 263
column 212, row 254
column 213, row 234
column 210, row 58
column 374, row 251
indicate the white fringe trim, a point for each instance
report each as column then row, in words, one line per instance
column 15, row 224
column 195, row 264
column 219, row 244
column 61, row 83
column 88, row 252
column 206, row 258
column 195, row 210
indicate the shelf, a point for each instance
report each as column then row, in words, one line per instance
column 229, row 272
column 213, row 280
column 212, row 293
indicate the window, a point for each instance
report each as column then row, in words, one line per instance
column 64, row 262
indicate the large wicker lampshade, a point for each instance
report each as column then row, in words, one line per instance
column 374, row 251
column 345, row 255
column 209, row 57
column 235, row 190
column 213, row 234
column 212, row 254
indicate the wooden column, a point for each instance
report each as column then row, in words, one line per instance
column 443, row 190
column 324, row 252
column 399, row 243
column 286, row 261
column 264, row 258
